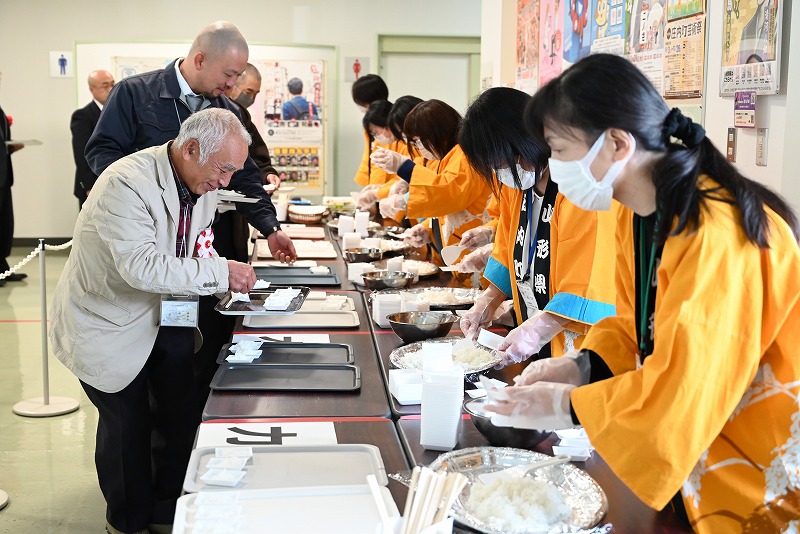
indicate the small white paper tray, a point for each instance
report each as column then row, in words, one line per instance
column 311, row 319
column 333, row 510
column 294, row 466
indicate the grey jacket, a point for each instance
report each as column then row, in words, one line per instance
column 105, row 312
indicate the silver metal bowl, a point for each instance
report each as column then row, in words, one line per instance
column 387, row 280
column 501, row 436
column 362, row 254
column 419, row 326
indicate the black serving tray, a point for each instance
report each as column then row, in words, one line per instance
column 291, row 377
column 296, row 354
column 296, row 276
column 257, row 298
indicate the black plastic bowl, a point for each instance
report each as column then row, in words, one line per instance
column 501, row 436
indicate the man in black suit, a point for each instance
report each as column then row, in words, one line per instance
column 6, row 206
column 82, row 125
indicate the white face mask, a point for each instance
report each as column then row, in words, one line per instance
column 506, row 177
column 384, row 139
column 576, row 181
column 427, row 154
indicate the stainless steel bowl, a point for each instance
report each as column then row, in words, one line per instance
column 361, row 255
column 387, row 280
column 501, row 436
column 419, row 326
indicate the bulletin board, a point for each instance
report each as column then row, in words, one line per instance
column 301, row 150
column 666, row 39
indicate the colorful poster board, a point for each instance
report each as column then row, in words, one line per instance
column 751, row 40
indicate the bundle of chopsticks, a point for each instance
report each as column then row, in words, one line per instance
column 430, row 496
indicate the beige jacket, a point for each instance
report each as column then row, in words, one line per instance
column 105, row 313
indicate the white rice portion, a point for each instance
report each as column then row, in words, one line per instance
column 440, row 298
column 474, row 358
column 470, row 360
column 519, row 503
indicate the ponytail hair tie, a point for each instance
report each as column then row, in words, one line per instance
column 681, row 127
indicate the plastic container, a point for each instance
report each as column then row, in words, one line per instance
column 442, row 396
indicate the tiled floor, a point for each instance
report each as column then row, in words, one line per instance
column 46, row 464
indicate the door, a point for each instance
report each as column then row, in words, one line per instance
column 444, row 68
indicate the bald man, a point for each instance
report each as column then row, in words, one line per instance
column 82, row 125
column 147, row 110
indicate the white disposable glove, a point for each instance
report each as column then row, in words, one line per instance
column 367, row 197
column 400, row 187
column 481, row 313
column 477, row 237
column 528, row 338
column 572, row 368
column 392, row 206
column 540, row 406
column 388, row 160
column 475, row 261
column 416, row 236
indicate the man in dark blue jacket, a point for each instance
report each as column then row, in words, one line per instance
column 147, row 110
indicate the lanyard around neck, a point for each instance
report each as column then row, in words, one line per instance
column 645, row 281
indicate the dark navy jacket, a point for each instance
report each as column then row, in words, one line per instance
column 145, row 110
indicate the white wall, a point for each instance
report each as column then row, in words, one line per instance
column 780, row 113
column 41, row 106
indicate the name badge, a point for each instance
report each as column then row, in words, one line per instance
column 179, row 310
column 526, row 292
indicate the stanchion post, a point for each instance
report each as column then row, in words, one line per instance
column 43, row 314
column 44, row 406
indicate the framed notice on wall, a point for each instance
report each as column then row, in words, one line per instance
column 751, row 43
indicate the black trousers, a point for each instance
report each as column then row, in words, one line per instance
column 217, row 330
column 145, row 435
column 6, row 226
column 230, row 241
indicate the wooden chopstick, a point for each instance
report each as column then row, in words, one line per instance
column 412, row 488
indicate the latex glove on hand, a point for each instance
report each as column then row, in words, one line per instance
column 388, row 160
column 475, row 261
column 481, row 313
column 400, row 187
column 241, row 277
column 281, row 247
column 391, row 206
column 367, row 197
column 477, row 237
column 416, row 236
column 539, row 406
column 572, row 368
column 528, row 338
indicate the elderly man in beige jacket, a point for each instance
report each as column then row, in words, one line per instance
column 142, row 235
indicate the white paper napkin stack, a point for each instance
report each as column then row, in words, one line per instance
column 383, row 305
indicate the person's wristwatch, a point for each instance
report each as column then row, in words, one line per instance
column 272, row 230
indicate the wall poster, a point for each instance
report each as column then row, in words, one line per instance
column 751, row 39
column 293, row 124
column 551, row 38
column 646, row 39
column 527, row 76
column 684, row 57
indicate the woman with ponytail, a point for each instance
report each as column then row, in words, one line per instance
column 689, row 393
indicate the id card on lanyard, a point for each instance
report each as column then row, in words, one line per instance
column 179, row 310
